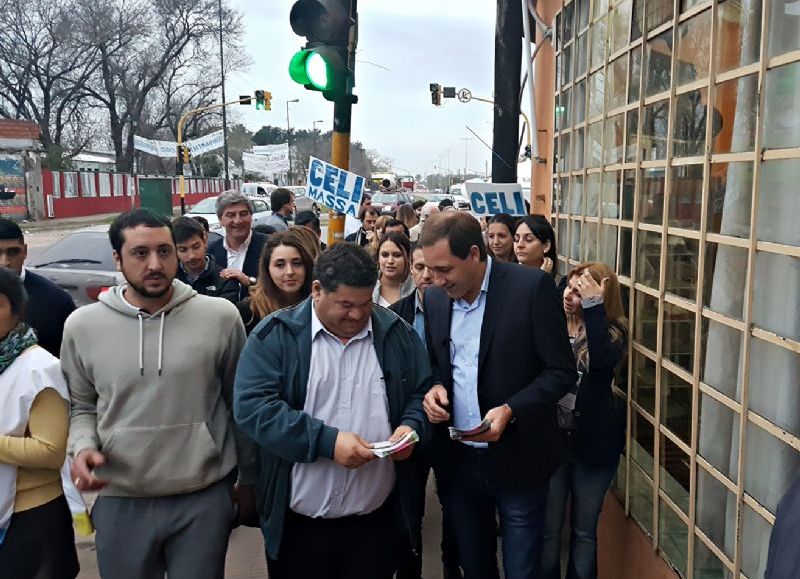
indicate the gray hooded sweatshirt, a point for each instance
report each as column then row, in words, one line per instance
column 153, row 392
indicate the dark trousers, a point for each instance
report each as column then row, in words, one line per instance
column 474, row 498
column 409, row 565
column 40, row 544
column 354, row 547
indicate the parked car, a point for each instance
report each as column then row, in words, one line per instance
column 258, row 189
column 208, row 208
column 387, row 202
column 302, row 201
column 459, row 202
column 82, row 264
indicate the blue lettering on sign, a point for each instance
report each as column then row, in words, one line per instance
column 491, row 203
column 476, row 200
column 331, row 174
column 520, row 203
column 358, row 190
column 314, row 175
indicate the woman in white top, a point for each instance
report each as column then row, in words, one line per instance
column 394, row 265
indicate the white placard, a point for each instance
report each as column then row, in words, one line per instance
column 335, row 188
column 487, row 199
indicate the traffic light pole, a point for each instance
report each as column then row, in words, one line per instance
column 340, row 156
column 185, row 160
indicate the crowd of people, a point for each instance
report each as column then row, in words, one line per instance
column 255, row 379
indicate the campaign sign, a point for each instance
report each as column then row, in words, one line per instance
column 487, row 199
column 335, row 188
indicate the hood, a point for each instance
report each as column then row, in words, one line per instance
column 114, row 300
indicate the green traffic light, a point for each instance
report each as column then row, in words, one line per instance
column 317, row 71
column 317, row 68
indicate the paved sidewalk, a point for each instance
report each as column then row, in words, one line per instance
column 246, row 548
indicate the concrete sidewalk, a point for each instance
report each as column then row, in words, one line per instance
column 246, row 548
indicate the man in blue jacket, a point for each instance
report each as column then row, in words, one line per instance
column 317, row 385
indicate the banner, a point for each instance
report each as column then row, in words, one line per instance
column 487, row 199
column 255, row 164
column 333, row 187
column 277, row 156
column 169, row 149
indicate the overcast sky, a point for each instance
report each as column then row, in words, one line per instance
column 420, row 42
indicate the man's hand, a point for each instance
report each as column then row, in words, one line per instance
column 547, row 265
column 245, row 497
column 434, row 402
column 499, row 417
column 235, row 274
column 399, row 433
column 82, row 467
column 352, row 451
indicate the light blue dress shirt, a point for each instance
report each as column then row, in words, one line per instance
column 419, row 319
column 465, row 344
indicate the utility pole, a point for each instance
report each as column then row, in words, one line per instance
column 314, row 130
column 507, row 66
column 224, row 109
column 289, row 139
column 466, row 153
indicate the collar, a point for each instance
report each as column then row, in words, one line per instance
column 205, row 269
column 462, row 303
column 418, row 304
column 22, row 275
column 317, row 327
column 243, row 247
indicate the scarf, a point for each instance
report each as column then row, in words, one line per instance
column 17, row 341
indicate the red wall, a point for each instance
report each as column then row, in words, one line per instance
column 89, row 202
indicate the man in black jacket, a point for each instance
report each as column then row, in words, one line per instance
column 49, row 306
column 501, row 357
column 239, row 251
column 410, row 308
column 198, row 269
column 368, row 217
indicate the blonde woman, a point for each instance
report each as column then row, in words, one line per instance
column 593, row 421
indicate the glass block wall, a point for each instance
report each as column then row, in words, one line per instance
column 678, row 162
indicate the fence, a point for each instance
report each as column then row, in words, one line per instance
column 81, row 194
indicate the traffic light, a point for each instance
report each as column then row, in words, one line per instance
column 263, row 100
column 324, row 64
column 183, row 159
column 436, row 94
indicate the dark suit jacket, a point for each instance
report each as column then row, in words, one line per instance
column 405, row 307
column 217, row 250
column 525, row 360
column 49, row 306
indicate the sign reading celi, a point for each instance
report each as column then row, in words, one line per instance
column 335, row 188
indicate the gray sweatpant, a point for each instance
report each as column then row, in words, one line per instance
column 184, row 536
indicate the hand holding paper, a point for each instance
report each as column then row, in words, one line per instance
column 498, row 419
column 399, row 446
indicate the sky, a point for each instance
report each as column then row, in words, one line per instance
column 419, row 41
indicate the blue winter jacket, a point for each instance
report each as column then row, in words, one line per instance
column 270, row 392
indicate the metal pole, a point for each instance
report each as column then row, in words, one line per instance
column 224, row 110
column 289, row 138
column 526, row 27
column 507, row 65
column 132, row 187
column 314, row 130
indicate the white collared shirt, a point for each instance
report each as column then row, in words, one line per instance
column 236, row 256
column 346, row 390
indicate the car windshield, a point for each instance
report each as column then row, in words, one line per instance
column 207, row 205
column 385, row 198
column 80, row 250
column 437, row 197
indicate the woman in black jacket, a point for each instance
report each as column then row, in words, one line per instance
column 591, row 418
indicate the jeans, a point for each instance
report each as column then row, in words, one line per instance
column 473, row 500
column 583, row 488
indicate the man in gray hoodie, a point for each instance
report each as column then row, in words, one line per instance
column 151, row 425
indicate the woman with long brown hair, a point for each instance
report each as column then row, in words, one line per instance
column 407, row 215
column 377, row 235
column 284, row 278
column 394, row 266
column 590, row 416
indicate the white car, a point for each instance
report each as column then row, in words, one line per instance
column 459, row 202
column 208, row 208
column 258, row 189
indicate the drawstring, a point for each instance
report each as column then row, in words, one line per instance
column 141, row 345
column 161, row 343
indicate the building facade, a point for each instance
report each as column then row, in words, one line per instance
column 677, row 161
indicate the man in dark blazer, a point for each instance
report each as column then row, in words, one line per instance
column 500, row 352
column 239, row 251
column 49, row 306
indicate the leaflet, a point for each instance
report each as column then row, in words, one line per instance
column 456, row 434
column 387, row 448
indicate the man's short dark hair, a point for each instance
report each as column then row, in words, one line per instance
column 362, row 213
column 397, row 223
column 9, row 230
column 461, row 230
column 186, row 228
column 12, row 287
column 279, row 198
column 446, row 202
column 264, row 228
column 309, row 219
column 202, row 221
column 345, row 264
column 418, row 204
column 135, row 218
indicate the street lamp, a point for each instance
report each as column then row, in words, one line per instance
column 289, row 137
column 314, row 130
